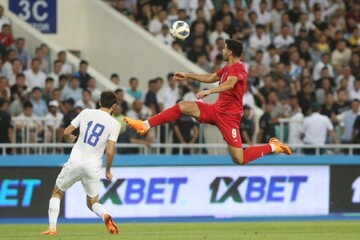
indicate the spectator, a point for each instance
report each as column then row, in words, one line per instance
column 218, row 33
column 203, row 63
column 185, row 132
column 133, row 91
column 70, row 114
column 53, row 121
column 48, row 89
column 143, row 17
column 137, row 111
column 355, row 93
column 199, row 32
column 55, row 74
column 321, row 93
column 66, row 68
column 259, row 40
column 325, row 62
column 74, row 91
column 3, row 19
column 63, row 83
column 303, row 23
column 355, row 64
column 316, row 128
column 197, row 50
column 342, row 101
column 341, row 55
column 296, row 118
column 6, row 37
column 157, row 23
column 264, row 16
column 176, row 46
column 356, row 132
column 19, row 89
column 22, row 53
column 115, row 79
column 150, row 97
column 206, row 5
column 16, row 69
column 5, row 92
column 120, row 6
column 284, row 39
column 168, row 96
column 7, row 66
column 247, row 126
column 82, row 74
column 29, row 124
column 119, row 116
column 200, row 18
column 86, row 101
column 330, row 108
column 95, row 92
column 164, row 36
column 34, row 76
column 124, row 105
column 220, row 44
column 229, row 27
column 44, row 65
column 277, row 12
column 194, row 87
column 306, row 97
column 6, row 128
column 295, row 12
column 348, row 122
column 266, row 125
column 38, row 104
column 242, row 26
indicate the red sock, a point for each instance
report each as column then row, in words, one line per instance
column 254, row 152
column 167, row 116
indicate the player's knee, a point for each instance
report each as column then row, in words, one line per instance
column 237, row 160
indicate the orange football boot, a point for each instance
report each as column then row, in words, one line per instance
column 51, row 232
column 110, row 225
column 280, row 147
column 138, row 125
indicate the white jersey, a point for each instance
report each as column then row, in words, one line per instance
column 96, row 128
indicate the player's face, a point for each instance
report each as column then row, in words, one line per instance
column 226, row 53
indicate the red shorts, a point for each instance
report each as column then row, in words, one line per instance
column 228, row 124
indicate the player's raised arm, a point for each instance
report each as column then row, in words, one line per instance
column 205, row 78
column 227, row 85
column 110, row 152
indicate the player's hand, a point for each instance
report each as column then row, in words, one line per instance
column 108, row 175
column 202, row 94
column 70, row 138
column 180, row 76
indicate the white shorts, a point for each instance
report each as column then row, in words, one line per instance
column 71, row 173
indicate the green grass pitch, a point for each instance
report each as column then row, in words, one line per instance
column 313, row 230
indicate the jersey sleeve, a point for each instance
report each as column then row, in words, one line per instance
column 77, row 120
column 220, row 72
column 115, row 133
column 238, row 71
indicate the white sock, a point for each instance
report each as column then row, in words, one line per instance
column 54, row 209
column 147, row 124
column 99, row 210
column 273, row 147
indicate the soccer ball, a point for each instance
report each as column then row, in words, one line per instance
column 180, row 30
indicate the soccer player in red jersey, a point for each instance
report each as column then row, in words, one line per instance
column 225, row 113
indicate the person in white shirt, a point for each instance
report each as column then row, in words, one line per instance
column 86, row 101
column 55, row 74
column 316, row 128
column 3, row 18
column 44, row 64
column 284, row 39
column 303, row 23
column 277, row 12
column 35, row 77
column 264, row 16
column 206, row 5
column 53, row 121
column 341, row 55
column 168, row 96
column 325, row 62
column 164, row 36
column 194, row 89
column 259, row 40
column 66, row 68
column 158, row 22
column 16, row 69
column 346, row 74
column 218, row 33
column 296, row 118
column 7, row 66
column 95, row 92
column 98, row 130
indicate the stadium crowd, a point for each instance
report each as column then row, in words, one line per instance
column 302, row 58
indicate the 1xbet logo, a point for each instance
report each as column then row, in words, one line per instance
column 137, row 190
column 257, row 188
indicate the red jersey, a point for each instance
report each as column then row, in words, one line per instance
column 231, row 101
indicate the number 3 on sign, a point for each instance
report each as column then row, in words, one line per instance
column 95, row 135
column 34, row 11
column 233, row 131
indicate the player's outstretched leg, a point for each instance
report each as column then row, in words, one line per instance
column 100, row 211
column 54, row 209
column 167, row 116
column 252, row 153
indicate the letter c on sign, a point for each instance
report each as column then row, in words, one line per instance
column 35, row 10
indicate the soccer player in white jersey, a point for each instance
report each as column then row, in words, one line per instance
column 98, row 130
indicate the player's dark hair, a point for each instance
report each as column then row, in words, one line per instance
column 107, row 99
column 235, row 46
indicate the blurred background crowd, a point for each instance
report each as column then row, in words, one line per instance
column 302, row 58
